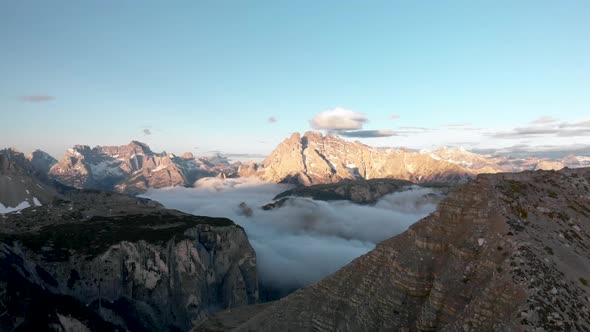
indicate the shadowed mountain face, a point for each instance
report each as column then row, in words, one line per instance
column 357, row 191
column 102, row 261
column 505, row 252
column 41, row 161
column 19, row 185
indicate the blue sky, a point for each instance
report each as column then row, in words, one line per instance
column 208, row 75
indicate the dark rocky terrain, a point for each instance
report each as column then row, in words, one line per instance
column 357, row 191
column 101, row 261
column 21, row 185
column 506, row 252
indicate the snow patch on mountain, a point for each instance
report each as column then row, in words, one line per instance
column 21, row 206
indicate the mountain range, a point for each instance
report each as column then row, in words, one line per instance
column 503, row 252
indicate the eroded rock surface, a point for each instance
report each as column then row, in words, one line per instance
column 133, row 168
column 506, row 252
column 357, row 191
column 315, row 159
column 103, row 261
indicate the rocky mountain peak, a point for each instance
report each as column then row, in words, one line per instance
column 20, row 186
column 41, row 161
column 140, row 147
column 187, row 155
column 314, row 158
column 13, row 161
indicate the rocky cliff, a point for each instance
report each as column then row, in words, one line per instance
column 356, row 191
column 19, row 185
column 133, row 168
column 101, row 261
column 131, row 266
column 41, row 161
column 506, row 252
column 314, row 159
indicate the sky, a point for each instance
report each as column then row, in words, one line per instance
column 241, row 76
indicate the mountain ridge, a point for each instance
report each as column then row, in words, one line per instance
column 311, row 158
column 505, row 252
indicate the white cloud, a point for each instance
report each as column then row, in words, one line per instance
column 305, row 240
column 544, row 120
column 338, row 119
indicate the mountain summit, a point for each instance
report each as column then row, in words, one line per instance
column 314, row 158
column 131, row 168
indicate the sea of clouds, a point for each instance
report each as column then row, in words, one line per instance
column 305, row 240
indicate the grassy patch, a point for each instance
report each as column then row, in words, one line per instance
column 512, row 188
column 520, row 212
column 584, row 281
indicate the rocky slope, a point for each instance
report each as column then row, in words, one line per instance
column 356, row 191
column 41, row 161
column 476, row 162
column 133, row 168
column 102, row 261
column 483, row 163
column 19, row 186
column 131, row 263
column 314, row 159
column 506, row 252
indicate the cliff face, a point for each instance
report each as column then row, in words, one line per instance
column 314, row 159
column 133, row 168
column 127, row 266
column 19, row 186
column 506, row 252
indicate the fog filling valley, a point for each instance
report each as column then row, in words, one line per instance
column 305, row 240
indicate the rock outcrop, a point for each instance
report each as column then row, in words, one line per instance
column 20, row 187
column 92, row 260
column 506, row 252
column 357, row 191
column 315, row 159
column 143, row 269
column 41, row 161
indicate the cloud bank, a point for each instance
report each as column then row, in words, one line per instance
column 368, row 133
column 305, row 240
column 36, row 98
column 548, row 127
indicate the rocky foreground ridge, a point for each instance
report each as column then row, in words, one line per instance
column 506, row 252
column 119, row 263
column 91, row 260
